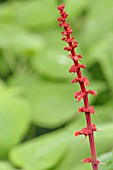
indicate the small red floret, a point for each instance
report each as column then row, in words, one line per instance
column 83, row 79
column 83, row 131
column 68, row 48
column 75, row 44
column 61, row 7
column 74, row 68
column 89, row 160
column 79, row 95
column 86, row 110
column 92, row 92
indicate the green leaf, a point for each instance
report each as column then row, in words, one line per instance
column 51, row 99
column 52, row 104
column 32, row 14
column 6, row 166
column 107, row 159
column 102, row 113
column 79, row 151
column 59, row 148
column 53, row 64
column 31, row 155
column 75, row 8
column 23, row 43
column 14, row 119
column 98, row 23
column 47, row 99
column 102, row 52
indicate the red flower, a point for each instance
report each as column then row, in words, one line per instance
column 83, row 131
column 90, row 109
column 79, row 95
column 89, row 160
column 81, row 80
column 76, row 68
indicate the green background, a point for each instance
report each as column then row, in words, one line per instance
column 38, row 112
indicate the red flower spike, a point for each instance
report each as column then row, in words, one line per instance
column 86, row 110
column 79, row 95
column 83, row 81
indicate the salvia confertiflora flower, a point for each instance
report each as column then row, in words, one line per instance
column 83, row 82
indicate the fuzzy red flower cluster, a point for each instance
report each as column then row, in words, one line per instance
column 83, row 82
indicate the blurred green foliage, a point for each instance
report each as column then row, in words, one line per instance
column 38, row 113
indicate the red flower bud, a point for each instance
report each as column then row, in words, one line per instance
column 61, row 7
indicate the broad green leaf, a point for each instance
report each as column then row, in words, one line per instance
column 102, row 113
column 53, row 64
column 48, row 150
column 6, row 166
column 102, row 52
column 52, row 103
column 107, row 160
column 32, row 14
column 31, row 155
column 79, row 151
column 23, row 43
column 97, row 23
column 83, row 166
column 14, row 119
column 77, row 7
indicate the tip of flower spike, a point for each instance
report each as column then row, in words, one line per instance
column 61, row 7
